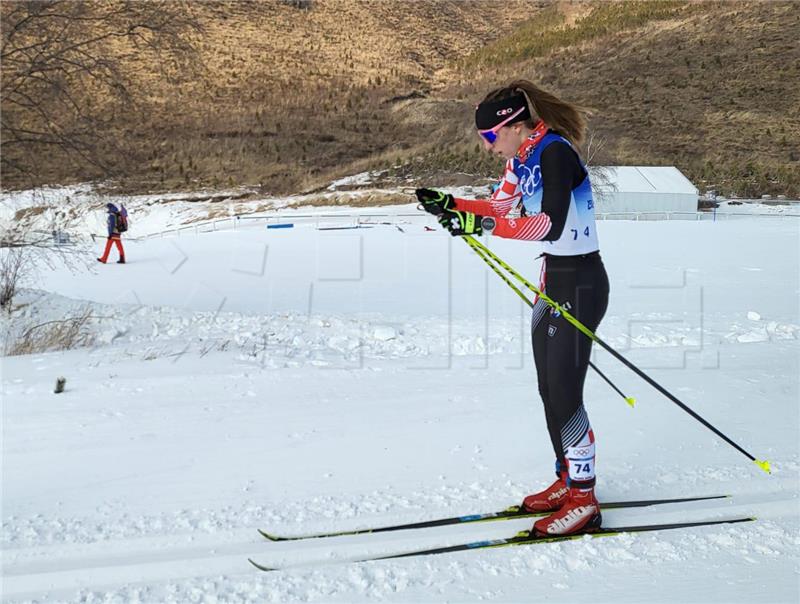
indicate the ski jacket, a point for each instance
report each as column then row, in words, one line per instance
column 112, row 221
column 544, row 195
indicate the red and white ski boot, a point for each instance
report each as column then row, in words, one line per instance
column 549, row 500
column 579, row 514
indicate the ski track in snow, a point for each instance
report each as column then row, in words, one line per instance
column 189, row 424
column 214, row 571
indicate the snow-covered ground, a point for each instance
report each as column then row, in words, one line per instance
column 758, row 207
column 302, row 380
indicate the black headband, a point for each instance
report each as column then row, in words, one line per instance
column 491, row 113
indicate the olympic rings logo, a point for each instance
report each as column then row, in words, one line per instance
column 529, row 180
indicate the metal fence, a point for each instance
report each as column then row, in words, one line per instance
column 277, row 220
column 709, row 215
column 349, row 220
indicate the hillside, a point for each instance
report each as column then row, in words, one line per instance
column 709, row 87
column 288, row 95
column 270, row 93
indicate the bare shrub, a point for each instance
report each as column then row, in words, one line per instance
column 41, row 235
column 12, row 272
column 62, row 334
column 602, row 176
column 65, row 81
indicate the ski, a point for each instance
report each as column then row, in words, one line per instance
column 525, row 538
column 510, row 513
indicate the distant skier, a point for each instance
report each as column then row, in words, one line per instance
column 117, row 224
column 545, row 195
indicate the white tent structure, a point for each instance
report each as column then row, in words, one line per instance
column 642, row 189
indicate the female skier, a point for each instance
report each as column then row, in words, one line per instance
column 545, row 195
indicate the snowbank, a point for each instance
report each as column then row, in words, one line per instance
column 301, row 380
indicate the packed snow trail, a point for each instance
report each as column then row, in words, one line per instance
column 509, row 513
column 218, row 400
column 527, row 537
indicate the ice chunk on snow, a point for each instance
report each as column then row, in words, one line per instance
column 384, row 333
column 109, row 335
column 758, row 335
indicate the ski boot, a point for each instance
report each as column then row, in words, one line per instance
column 580, row 513
column 552, row 498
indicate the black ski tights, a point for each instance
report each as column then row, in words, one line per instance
column 561, row 352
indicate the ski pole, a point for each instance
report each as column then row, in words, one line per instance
column 763, row 464
column 628, row 399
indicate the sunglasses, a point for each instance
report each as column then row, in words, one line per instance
column 490, row 136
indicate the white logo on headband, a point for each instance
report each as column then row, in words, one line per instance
column 505, row 111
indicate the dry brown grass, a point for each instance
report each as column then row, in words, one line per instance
column 64, row 334
column 367, row 200
column 711, row 89
column 290, row 99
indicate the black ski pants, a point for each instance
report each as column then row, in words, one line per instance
column 561, row 352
